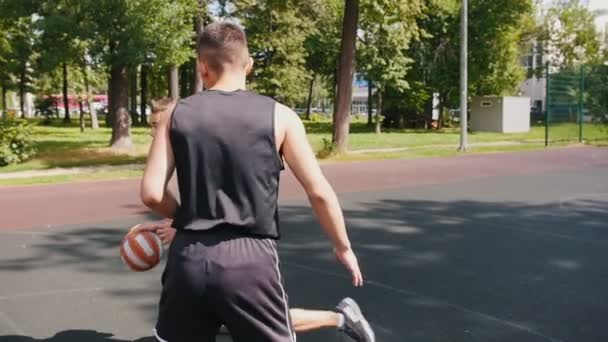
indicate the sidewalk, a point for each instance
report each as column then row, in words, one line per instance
column 69, row 171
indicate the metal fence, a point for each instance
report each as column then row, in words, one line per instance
column 576, row 104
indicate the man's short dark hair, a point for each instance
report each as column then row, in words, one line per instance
column 223, row 43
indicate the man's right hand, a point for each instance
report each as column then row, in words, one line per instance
column 166, row 234
column 349, row 260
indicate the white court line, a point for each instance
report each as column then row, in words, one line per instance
column 584, row 196
column 50, row 293
column 413, row 293
column 11, row 324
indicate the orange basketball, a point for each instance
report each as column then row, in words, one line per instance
column 141, row 251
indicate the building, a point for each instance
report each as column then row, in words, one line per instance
column 535, row 84
column 360, row 95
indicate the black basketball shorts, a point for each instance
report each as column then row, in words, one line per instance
column 222, row 277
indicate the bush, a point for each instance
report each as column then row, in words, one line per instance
column 46, row 108
column 328, row 150
column 15, row 142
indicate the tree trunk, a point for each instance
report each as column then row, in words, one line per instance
column 94, row 119
column 345, row 75
column 184, row 80
column 81, row 109
column 133, row 93
column 22, row 93
column 66, row 102
column 198, row 28
column 3, row 100
column 335, row 104
column 309, row 102
column 174, row 83
column 121, row 125
column 379, row 113
column 144, row 94
column 370, row 102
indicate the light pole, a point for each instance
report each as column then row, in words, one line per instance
column 464, row 93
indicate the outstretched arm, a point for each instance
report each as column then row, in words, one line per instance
column 302, row 162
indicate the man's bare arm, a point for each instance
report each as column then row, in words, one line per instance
column 302, row 162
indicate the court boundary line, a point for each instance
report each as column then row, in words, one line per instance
column 387, row 287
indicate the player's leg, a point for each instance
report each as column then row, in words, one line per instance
column 307, row 320
column 347, row 318
column 253, row 303
column 186, row 312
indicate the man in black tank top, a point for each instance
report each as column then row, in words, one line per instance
column 227, row 146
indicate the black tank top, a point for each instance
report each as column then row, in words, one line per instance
column 227, row 162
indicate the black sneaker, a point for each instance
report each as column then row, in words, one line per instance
column 355, row 324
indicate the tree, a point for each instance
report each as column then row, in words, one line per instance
column 61, row 33
column 18, row 55
column 569, row 35
column 198, row 29
column 345, row 76
column 596, row 87
column 497, row 29
column 276, row 31
column 5, row 52
column 322, row 48
column 387, row 28
column 128, row 33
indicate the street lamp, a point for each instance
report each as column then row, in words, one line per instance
column 464, row 93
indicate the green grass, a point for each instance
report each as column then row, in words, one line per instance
column 409, row 154
column 62, row 145
column 363, row 138
column 442, row 151
column 65, row 146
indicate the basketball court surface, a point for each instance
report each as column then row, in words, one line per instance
column 501, row 247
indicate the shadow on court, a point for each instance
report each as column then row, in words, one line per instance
column 436, row 271
column 74, row 336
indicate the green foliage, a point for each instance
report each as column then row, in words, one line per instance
column 15, row 142
column 276, row 33
column 497, row 28
column 570, row 35
column 406, row 109
column 46, row 108
column 329, row 149
column 388, row 27
column 596, row 97
column 323, row 43
column 20, row 56
column 131, row 32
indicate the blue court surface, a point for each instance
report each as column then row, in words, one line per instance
column 497, row 258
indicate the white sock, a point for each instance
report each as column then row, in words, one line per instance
column 340, row 321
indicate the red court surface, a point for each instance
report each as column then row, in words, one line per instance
column 49, row 205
